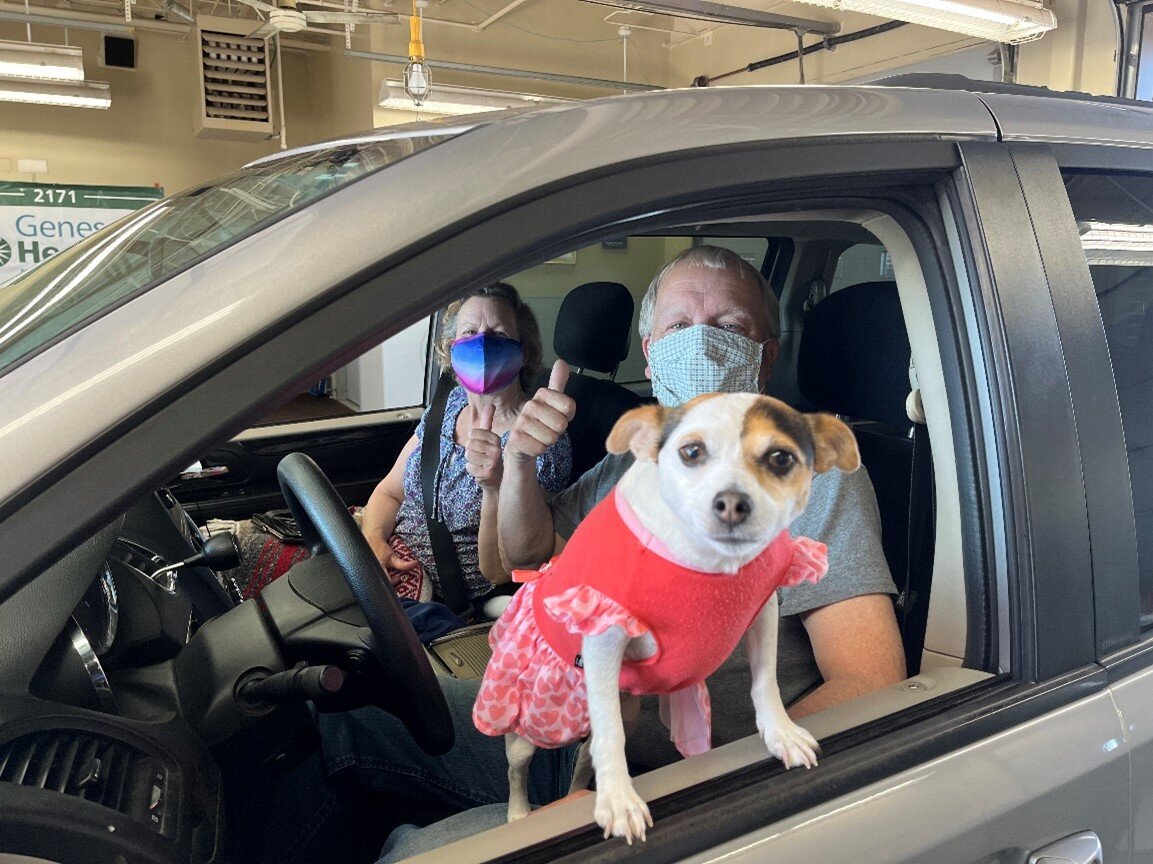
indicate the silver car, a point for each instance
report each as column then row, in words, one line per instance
column 998, row 370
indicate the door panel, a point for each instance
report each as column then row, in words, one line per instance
column 1134, row 700
column 994, row 801
column 354, row 458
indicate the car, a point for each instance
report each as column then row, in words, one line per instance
column 965, row 272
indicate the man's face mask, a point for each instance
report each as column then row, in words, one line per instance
column 703, row 359
column 486, row 363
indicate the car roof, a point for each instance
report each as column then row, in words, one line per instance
column 1021, row 112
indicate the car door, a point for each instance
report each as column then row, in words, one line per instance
column 1013, row 774
column 1031, row 756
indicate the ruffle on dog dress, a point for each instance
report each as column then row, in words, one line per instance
column 613, row 572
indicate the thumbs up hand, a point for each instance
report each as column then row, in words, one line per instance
column 482, row 452
column 544, row 418
column 559, row 376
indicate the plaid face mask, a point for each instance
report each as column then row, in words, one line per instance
column 703, row 359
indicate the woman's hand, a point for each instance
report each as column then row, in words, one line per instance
column 482, row 452
column 395, row 567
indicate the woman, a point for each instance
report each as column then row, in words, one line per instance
column 492, row 341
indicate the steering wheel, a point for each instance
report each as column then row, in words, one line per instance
column 327, row 528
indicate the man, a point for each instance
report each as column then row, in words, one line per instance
column 708, row 323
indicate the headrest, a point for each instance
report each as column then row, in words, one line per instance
column 593, row 326
column 854, row 354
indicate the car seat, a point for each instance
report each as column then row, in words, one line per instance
column 854, row 361
column 592, row 333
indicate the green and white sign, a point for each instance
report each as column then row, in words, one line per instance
column 38, row 220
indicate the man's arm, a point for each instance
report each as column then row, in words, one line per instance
column 857, row 647
column 525, row 525
column 848, row 615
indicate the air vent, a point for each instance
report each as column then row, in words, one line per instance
column 91, row 767
column 235, row 96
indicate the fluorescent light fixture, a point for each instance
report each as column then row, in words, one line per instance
column 720, row 13
column 80, row 94
column 64, row 21
column 447, row 100
column 997, row 20
column 31, row 60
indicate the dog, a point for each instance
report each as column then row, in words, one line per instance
column 654, row 590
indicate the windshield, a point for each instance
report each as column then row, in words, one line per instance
column 151, row 245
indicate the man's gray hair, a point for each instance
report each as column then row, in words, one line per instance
column 713, row 258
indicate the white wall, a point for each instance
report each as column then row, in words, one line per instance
column 1081, row 54
column 388, row 376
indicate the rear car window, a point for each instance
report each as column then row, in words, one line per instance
column 862, row 262
column 1116, row 227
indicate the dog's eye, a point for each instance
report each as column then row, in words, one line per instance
column 693, row 453
column 780, row 461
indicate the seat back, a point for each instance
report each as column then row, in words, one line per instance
column 592, row 332
column 853, row 361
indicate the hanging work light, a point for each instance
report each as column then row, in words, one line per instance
column 417, row 75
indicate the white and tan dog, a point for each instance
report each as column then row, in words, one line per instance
column 714, row 485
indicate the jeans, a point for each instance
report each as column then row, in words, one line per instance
column 408, row 840
column 370, row 769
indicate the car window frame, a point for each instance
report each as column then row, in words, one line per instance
column 1045, row 666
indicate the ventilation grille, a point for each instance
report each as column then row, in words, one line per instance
column 235, row 97
column 235, row 76
column 91, row 767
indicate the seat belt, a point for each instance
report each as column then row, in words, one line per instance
column 921, row 531
column 453, row 588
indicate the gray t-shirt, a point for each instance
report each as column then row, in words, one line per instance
column 842, row 513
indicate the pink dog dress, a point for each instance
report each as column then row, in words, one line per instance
column 613, row 571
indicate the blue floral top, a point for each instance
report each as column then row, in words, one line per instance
column 457, row 497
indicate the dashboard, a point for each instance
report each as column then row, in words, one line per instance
column 138, row 703
column 140, row 609
column 96, row 762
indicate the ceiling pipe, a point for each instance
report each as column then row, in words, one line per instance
column 507, row 73
column 500, row 13
column 720, row 13
column 828, row 44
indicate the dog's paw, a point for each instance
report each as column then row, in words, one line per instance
column 621, row 812
column 518, row 812
column 792, row 744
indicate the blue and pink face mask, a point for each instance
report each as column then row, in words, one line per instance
column 486, row 363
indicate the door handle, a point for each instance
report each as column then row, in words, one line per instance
column 1082, row 848
column 198, row 472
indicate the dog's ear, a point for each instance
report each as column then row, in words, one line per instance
column 834, row 445
column 639, row 430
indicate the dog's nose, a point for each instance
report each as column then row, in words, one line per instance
column 732, row 507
